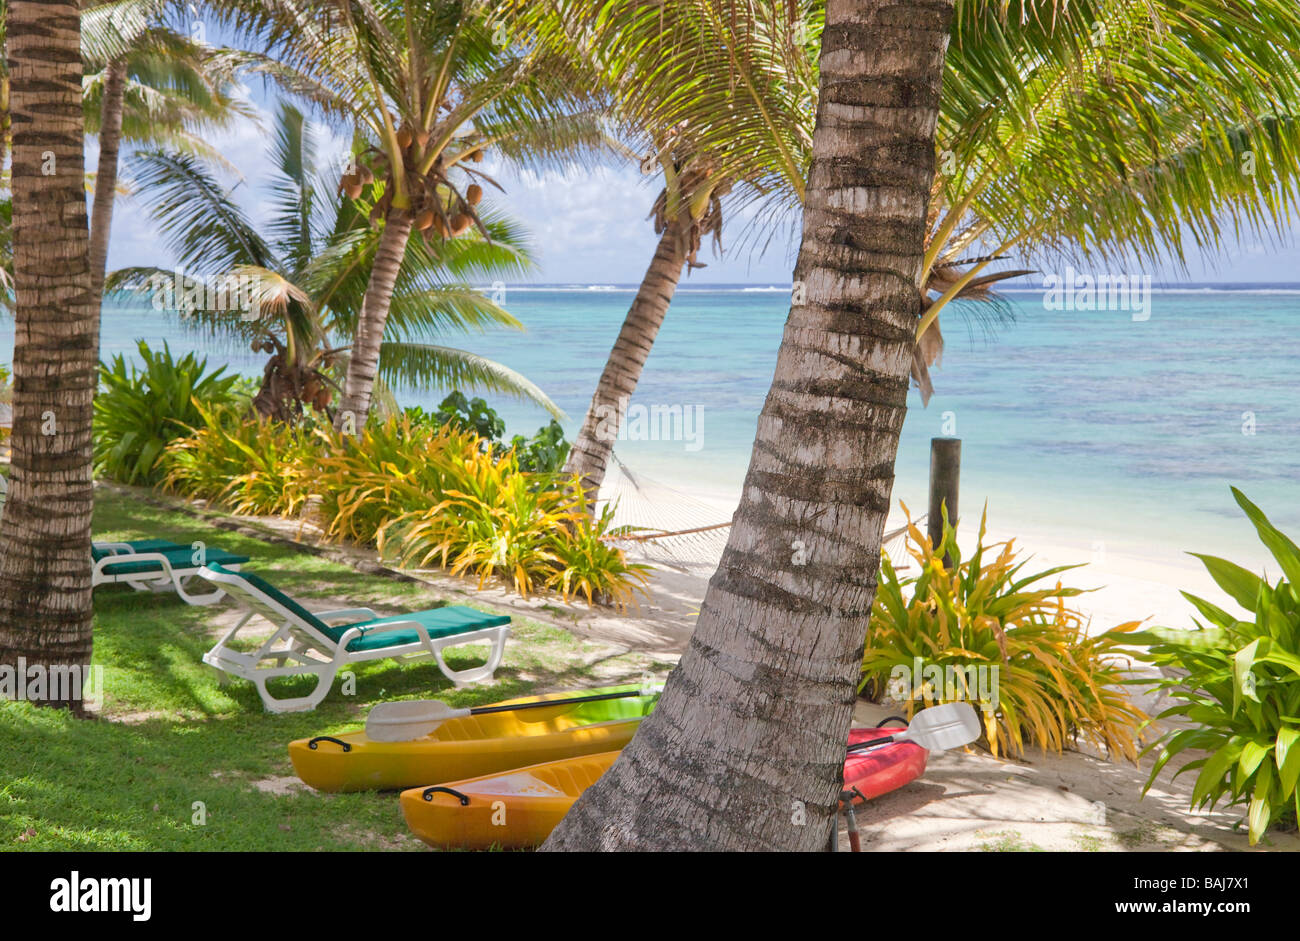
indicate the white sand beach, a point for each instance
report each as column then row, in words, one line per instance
column 1124, row 581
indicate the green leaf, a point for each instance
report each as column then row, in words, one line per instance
column 1213, row 613
column 1211, row 781
column 1287, row 758
column 1260, row 808
column 1283, row 549
column 1243, row 679
column 1240, row 584
column 1251, row 755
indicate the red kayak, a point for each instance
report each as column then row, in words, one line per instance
column 877, row 771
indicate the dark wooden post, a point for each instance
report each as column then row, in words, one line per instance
column 945, row 476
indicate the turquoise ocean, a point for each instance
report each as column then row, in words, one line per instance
column 1087, row 422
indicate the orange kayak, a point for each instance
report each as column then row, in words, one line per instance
column 514, row 810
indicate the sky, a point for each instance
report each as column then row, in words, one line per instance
column 590, row 226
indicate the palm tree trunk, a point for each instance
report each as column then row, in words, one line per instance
column 746, row 747
column 364, row 364
column 110, row 140
column 590, row 452
column 45, row 610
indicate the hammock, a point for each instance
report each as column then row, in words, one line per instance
column 675, row 529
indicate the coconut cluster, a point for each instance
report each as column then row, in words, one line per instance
column 437, row 207
column 283, row 382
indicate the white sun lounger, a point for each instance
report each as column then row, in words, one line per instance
column 310, row 645
column 158, row 565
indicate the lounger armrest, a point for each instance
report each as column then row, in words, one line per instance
column 115, row 548
column 398, row 626
column 351, row 614
column 134, row 558
column 353, row 632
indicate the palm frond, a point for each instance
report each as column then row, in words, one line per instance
column 204, row 227
column 426, row 366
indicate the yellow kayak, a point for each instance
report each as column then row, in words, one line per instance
column 512, row 810
column 471, row 746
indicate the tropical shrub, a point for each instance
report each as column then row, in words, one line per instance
column 470, row 415
column 138, row 413
column 395, row 467
column 590, row 566
column 1241, row 687
column 423, row 492
column 497, row 525
column 247, row 464
column 497, row 520
column 977, row 629
column 545, row 452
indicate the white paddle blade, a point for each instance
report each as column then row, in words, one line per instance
column 942, row 727
column 407, row 721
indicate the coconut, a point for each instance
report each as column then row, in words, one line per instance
column 352, row 187
column 474, row 194
column 322, row 398
column 365, row 174
column 477, row 156
column 424, row 220
column 440, row 226
column 403, row 138
column 257, row 346
column 422, row 138
column 459, row 223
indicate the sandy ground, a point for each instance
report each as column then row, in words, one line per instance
column 967, row 800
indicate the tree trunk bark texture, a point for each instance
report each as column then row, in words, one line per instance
column 590, row 453
column 746, row 747
column 364, row 363
column 45, row 604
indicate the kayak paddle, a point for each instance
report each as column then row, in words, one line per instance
column 936, row 729
column 407, row 721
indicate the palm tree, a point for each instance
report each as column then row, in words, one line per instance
column 45, row 609
column 163, row 89
column 307, row 270
column 1119, row 140
column 746, row 747
column 623, row 44
column 430, row 86
column 1128, row 146
column 144, row 84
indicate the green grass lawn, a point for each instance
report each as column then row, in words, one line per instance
column 170, row 741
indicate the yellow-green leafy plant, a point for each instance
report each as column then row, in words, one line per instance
column 1237, row 680
column 245, row 463
column 494, row 522
column 593, row 567
column 394, row 468
column 423, row 493
column 978, row 629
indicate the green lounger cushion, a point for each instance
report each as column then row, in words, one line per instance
column 98, row 551
column 181, row 558
column 439, row 622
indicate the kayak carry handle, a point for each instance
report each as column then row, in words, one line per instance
column 902, row 719
column 326, row 738
column 871, row 743
column 430, row 791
